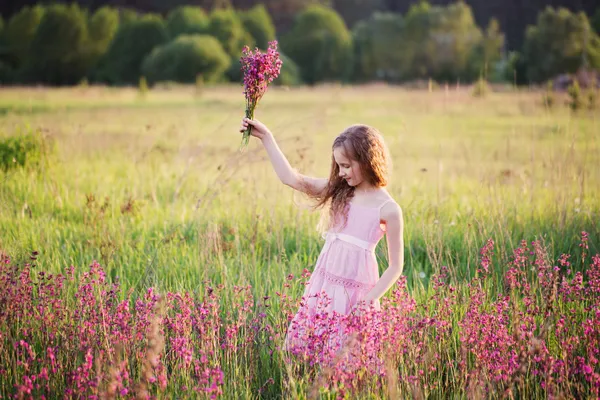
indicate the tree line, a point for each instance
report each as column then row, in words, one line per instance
column 512, row 15
column 63, row 44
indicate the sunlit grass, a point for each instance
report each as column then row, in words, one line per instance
column 156, row 191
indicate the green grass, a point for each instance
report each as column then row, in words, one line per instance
column 155, row 189
column 465, row 169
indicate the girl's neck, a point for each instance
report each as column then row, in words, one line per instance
column 365, row 188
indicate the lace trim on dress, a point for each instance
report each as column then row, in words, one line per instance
column 345, row 282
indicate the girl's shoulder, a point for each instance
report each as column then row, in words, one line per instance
column 389, row 208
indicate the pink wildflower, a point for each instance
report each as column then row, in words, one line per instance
column 259, row 69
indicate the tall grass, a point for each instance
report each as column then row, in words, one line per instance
column 157, row 194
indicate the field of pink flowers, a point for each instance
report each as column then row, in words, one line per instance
column 78, row 335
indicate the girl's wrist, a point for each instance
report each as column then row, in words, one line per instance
column 267, row 136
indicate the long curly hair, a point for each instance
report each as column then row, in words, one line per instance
column 365, row 145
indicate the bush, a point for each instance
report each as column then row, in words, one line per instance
column 290, row 73
column 555, row 45
column 6, row 73
column 258, row 23
column 183, row 59
column 378, row 47
column 187, row 20
column 576, row 100
column 320, row 44
column 227, row 27
column 132, row 43
column 102, row 28
column 19, row 33
column 515, row 71
column 24, row 150
column 481, row 88
column 59, row 52
column 596, row 21
column 548, row 98
column 128, row 15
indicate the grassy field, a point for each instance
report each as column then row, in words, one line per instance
column 155, row 190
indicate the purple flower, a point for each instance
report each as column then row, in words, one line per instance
column 259, row 69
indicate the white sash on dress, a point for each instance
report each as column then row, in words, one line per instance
column 350, row 239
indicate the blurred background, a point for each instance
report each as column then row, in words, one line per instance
column 119, row 42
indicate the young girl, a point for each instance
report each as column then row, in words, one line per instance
column 361, row 211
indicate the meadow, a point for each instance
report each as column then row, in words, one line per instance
column 170, row 261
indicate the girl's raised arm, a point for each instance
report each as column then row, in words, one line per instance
column 284, row 170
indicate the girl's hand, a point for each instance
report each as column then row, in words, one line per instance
column 259, row 129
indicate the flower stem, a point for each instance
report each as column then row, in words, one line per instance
column 246, row 135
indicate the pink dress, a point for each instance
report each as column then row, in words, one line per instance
column 346, row 269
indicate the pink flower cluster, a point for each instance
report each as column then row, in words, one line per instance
column 259, row 70
column 536, row 335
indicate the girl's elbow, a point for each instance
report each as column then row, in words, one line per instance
column 291, row 182
column 396, row 269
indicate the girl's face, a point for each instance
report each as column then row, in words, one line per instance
column 349, row 169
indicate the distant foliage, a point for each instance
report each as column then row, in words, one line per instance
column 60, row 50
column 187, row 20
column 227, row 27
column 290, row 72
column 549, row 98
column 28, row 149
column 488, row 53
column 103, row 26
column 320, row 44
column 596, row 21
column 592, row 98
column 481, row 88
column 6, row 73
column 133, row 42
column 185, row 58
column 127, row 15
column 438, row 42
column 18, row 34
column 441, row 42
column 354, row 11
column 143, row 88
column 378, row 47
column 576, row 99
column 258, row 23
column 556, row 44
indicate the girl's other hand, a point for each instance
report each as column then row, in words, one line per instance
column 259, row 129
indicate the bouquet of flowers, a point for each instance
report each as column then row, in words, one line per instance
column 259, row 69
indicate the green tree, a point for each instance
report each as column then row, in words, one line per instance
column 227, row 27
column 133, row 42
column 486, row 56
column 19, row 33
column 455, row 37
column 127, row 15
column 290, row 72
column 354, row 11
column 102, row 27
column 445, row 43
column 417, row 59
column 560, row 42
column 187, row 20
column 186, row 57
column 378, row 47
column 320, row 44
column 59, row 52
column 258, row 23
column 596, row 21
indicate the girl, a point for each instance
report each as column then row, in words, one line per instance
column 361, row 211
